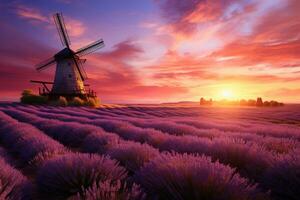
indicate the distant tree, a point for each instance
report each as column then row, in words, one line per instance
column 274, row 103
column 251, row 102
column 259, row 102
column 210, row 101
column 266, row 103
column 206, row 102
column 202, row 101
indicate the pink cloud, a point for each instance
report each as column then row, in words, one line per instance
column 116, row 80
column 185, row 16
column 247, row 32
column 173, row 61
column 148, row 25
column 174, row 12
column 123, row 50
column 74, row 27
column 31, row 14
column 284, row 92
column 274, row 40
column 248, row 54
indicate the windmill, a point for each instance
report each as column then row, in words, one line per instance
column 69, row 75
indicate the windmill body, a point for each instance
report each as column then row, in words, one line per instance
column 69, row 74
column 67, row 79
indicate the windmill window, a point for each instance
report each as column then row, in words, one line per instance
column 70, row 76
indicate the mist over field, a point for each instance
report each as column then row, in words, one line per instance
column 149, row 152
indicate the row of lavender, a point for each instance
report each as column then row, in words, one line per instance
column 258, row 127
column 53, row 171
column 162, row 175
column 131, row 153
column 279, row 139
column 252, row 160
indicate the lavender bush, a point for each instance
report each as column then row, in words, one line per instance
column 132, row 155
column 11, row 182
column 73, row 174
column 24, row 140
column 182, row 176
column 107, row 190
column 99, row 142
column 284, row 178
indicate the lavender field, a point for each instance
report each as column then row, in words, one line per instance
column 144, row 152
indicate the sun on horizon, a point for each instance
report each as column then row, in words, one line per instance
column 227, row 93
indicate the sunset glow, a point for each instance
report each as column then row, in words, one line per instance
column 160, row 51
column 227, row 94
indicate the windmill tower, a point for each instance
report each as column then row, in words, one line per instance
column 69, row 75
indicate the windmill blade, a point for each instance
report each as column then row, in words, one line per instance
column 90, row 48
column 61, row 28
column 81, row 61
column 45, row 64
column 81, row 73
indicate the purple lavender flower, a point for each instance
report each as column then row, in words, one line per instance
column 182, row 176
column 70, row 174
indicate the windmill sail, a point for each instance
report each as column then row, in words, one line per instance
column 45, row 64
column 94, row 46
column 61, row 28
column 77, row 64
column 83, row 72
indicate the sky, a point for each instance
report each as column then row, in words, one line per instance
column 159, row 50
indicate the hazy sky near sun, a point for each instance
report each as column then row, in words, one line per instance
column 160, row 50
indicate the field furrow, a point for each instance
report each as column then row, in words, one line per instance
column 148, row 151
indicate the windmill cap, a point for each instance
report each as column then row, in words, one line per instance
column 65, row 53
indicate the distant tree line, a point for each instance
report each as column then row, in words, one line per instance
column 250, row 102
column 206, row 102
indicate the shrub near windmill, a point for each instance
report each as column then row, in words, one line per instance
column 70, row 75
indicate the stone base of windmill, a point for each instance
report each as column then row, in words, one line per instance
column 86, row 99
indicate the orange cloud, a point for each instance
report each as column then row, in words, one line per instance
column 119, row 81
column 275, row 40
column 205, row 11
column 250, row 53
